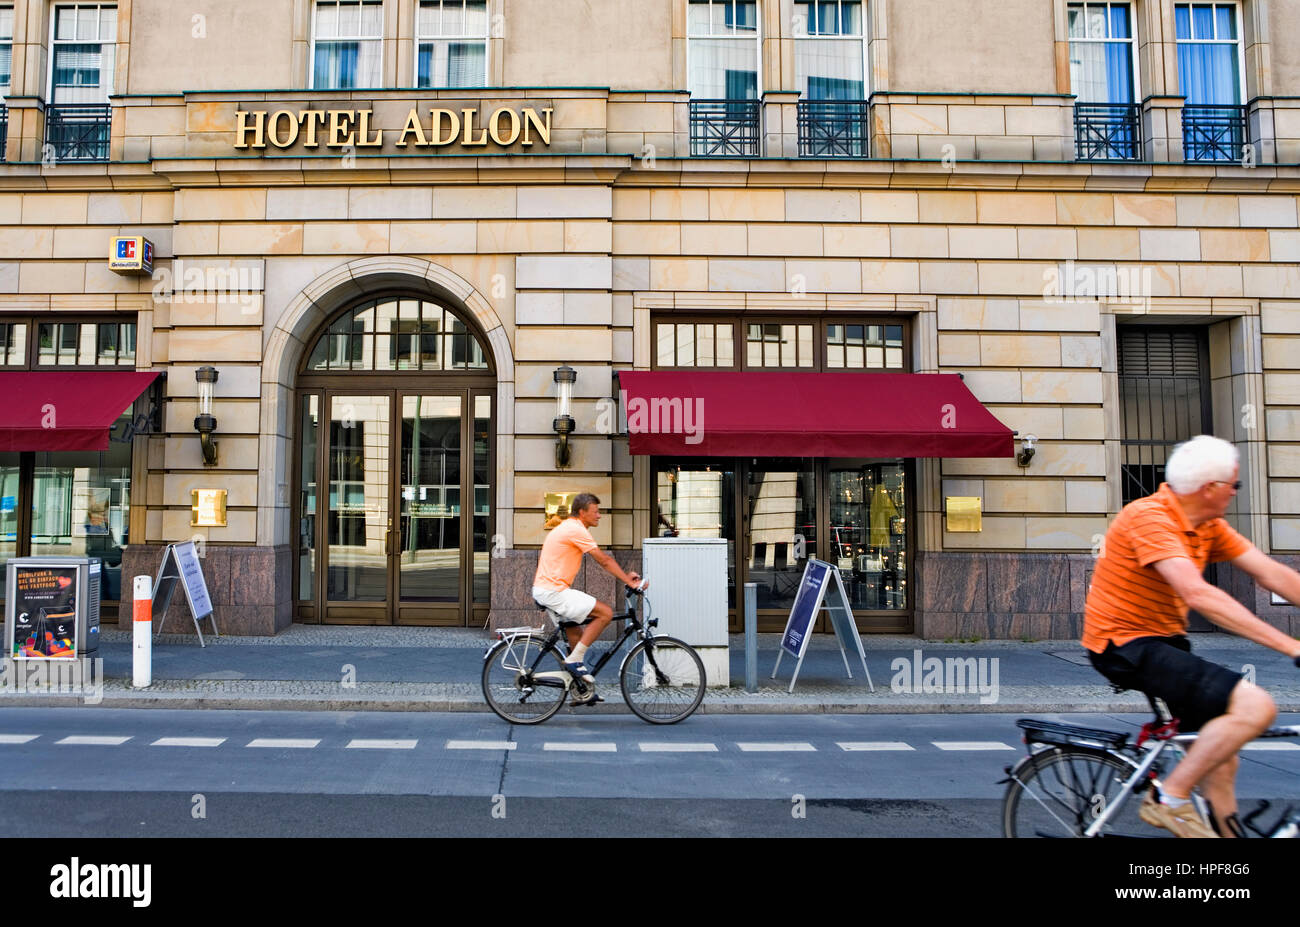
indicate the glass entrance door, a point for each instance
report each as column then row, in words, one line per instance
column 430, row 576
column 358, row 522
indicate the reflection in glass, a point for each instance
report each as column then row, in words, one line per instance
column 868, row 531
column 358, row 500
column 430, row 498
column 781, row 498
column 310, row 428
column 695, row 500
column 482, row 499
column 8, row 512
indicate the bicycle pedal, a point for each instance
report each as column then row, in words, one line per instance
column 588, row 700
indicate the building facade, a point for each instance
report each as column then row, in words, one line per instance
column 411, row 236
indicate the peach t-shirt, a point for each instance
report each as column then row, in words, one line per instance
column 562, row 554
column 1129, row 598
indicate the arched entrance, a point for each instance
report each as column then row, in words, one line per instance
column 394, row 463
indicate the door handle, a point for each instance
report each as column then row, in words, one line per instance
column 388, row 539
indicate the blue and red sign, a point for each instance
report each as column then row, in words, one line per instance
column 131, row 255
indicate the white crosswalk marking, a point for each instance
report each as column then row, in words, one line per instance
column 678, row 748
column 358, row 744
column 189, row 742
column 971, row 745
column 777, row 748
column 289, row 743
column 581, row 747
column 1272, row 745
column 17, row 738
column 873, row 745
column 85, row 740
column 481, row 745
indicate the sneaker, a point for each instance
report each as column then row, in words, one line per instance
column 1183, row 821
column 579, row 670
column 588, row 698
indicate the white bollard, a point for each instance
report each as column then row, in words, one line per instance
column 142, row 638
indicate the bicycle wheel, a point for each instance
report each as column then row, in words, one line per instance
column 662, row 680
column 1060, row 792
column 514, row 693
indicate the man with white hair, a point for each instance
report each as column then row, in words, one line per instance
column 1135, row 624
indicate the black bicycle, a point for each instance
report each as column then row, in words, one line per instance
column 525, row 682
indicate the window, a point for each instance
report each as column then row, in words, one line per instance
column 397, row 334
column 1101, row 52
column 773, row 344
column 85, row 344
column 830, row 50
column 1209, row 65
column 695, row 344
column 6, row 49
column 451, row 43
column 13, row 344
column 864, row 347
column 829, row 343
column 82, row 53
column 347, row 45
column 723, row 49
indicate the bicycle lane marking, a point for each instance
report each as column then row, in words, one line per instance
column 665, row 747
column 971, row 745
column 873, row 746
column 797, row 747
column 84, row 740
column 580, row 746
column 17, row 738
column 481, row 745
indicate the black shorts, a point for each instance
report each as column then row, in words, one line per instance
column 1195, row 690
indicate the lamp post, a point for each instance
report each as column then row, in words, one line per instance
column 204, row 423
column 563, row 425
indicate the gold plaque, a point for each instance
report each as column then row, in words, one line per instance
column 964, row 513
column 207, row 508
column 557, row 508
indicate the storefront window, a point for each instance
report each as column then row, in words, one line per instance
column 8, row 512
column 697, row 500
column 868, row 531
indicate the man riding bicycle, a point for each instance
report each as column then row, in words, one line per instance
column 1135, row 625
column 553, row 583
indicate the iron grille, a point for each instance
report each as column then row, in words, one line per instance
column 4, row 130
column 1164, row 397
column 724, row 128
column 78, row 131
column 1214, row 133
column 833, row 129
column 1107, row 131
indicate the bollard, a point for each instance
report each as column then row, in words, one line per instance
column 751, row 637
column 142, row 635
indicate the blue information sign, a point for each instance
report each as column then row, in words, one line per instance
column 804, row 612
column 821, row 586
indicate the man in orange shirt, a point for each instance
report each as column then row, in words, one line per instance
column 1135, row 622
column 553, row 583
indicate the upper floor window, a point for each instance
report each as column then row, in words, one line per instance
column 820, row 343
column 829, row 50
column 1101, row 52
column 6, row 49
column 100, row 343
column 1209, row 62
column 397, row 334
column 82, row 53
column 451, row 43
column 723, row 49
column 348, row 42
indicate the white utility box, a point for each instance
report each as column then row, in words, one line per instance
column 688, row 595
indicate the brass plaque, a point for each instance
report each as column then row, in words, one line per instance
column 964, row 513
column 557, row 508
column 207, row 508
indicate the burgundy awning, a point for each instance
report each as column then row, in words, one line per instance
column 789, row 414
column 64, row 410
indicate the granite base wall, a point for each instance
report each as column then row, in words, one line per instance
column 250, row 587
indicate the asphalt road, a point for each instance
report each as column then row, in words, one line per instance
column 121, row 773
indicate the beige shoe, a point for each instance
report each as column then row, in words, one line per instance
column 1183, row 821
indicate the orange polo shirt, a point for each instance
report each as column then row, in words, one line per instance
column 1128, row 598
column 562, row 554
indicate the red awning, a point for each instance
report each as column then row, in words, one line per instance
column 58, row 410
column 788, row 414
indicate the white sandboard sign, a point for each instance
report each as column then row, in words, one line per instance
column 820, row 587
column 180, row 565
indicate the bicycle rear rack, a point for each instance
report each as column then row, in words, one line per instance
column 1069, row 735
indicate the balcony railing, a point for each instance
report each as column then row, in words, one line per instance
column 1108, row 131
column 724, row 128
column 833, row 129
column 78, row 131
column 4, row 129
column 1213, row 133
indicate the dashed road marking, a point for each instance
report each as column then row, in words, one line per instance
column 1268, row 745
column 481, row 745
column 17, row 738
column 873, row 746
column 581, row 747
column 359, row 744
column 288, row 743
column 971, row 745
column 189, row 742
column 91, row 740
column 777, row 747
column 678, row 748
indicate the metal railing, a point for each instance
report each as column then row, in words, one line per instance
column 1213, row 133
column 832, row 128
column 724, row 128
column 78, row 131
column 1108, row 131
column 4, row 129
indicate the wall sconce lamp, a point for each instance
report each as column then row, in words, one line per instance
column 565, row 377
column 1027, row 450
column 204, row 423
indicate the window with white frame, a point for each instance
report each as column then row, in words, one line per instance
column 1209, row 57
column 722, row 49
column 830, row 50
column 451, row 43
column 82, row 53
column 1101, row 52
column 347, row 44
column 6, row 49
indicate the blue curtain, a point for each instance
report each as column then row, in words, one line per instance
column 1208, row 74
column 336, row 65
column 742, row 85
column 1119, row 73
column 424, row 67
column 834, row 88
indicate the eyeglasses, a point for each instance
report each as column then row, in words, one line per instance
column 1236, row 485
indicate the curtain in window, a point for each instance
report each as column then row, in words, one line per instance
column 829, row 70
column 1207, row 73
column 344, row 65
column 466, row 63
column 82, row 73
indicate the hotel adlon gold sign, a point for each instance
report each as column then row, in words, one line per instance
column 431, row 128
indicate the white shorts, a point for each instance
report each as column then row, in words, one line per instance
column 569, row 604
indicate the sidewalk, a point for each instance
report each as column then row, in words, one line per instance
column 311, row 667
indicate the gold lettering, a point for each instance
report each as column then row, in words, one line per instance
column 273, row 133
column 412, row 125
column 338, row 122
column 495, row 127
column 363, row 131
column 467, row 136
column 543, row 129
column 436, row 137
column 310, row 119
column 242, row 128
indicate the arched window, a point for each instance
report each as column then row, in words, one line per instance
column 395, row 334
